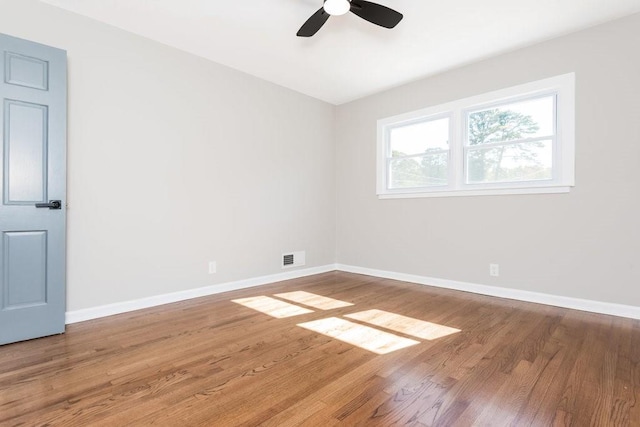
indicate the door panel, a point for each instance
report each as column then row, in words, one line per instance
column 32, row 170
column 26, row 71
column 25, row 152
column 25, row 274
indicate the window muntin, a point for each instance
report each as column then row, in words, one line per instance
column 527, row 146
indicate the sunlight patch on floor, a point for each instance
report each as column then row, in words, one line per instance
column 312, row 300
column 272, row 306
column 361, row 336
column 403, row 324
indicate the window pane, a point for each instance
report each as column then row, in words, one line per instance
column 528, row 161
column 424, row 171
column 509, row 122
column 419, row 138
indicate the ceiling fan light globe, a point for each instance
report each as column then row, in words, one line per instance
column 337, row 7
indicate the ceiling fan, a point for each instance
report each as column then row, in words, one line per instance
column 372, row 12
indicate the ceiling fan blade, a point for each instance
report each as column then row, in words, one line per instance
column 313, row 24
column 376, row 13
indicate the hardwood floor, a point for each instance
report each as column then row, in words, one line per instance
column 215, row 362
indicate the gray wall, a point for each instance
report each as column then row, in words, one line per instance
column 585, row 244
column 175, row 161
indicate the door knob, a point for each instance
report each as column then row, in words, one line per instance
column 53, row 204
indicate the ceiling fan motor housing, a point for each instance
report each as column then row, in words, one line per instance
column 372, row 12
column 337, row 7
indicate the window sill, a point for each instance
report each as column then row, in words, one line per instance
column 478, row 192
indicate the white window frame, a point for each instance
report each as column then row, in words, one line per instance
column 563, row 166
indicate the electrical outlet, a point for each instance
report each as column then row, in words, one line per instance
column 212, row 267
column 494, row 270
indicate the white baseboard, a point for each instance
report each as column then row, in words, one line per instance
column 126, row 306
column 620, row 310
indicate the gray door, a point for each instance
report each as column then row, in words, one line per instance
column 33, row 92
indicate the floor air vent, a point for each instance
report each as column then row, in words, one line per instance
column 293, row 259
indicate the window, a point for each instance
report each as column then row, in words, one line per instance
column 419, row 153
column 513, row 141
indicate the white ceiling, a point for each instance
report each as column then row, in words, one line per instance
column 348, row 58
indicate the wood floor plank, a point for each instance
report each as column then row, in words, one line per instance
column 212, row 362
column 554, row 365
